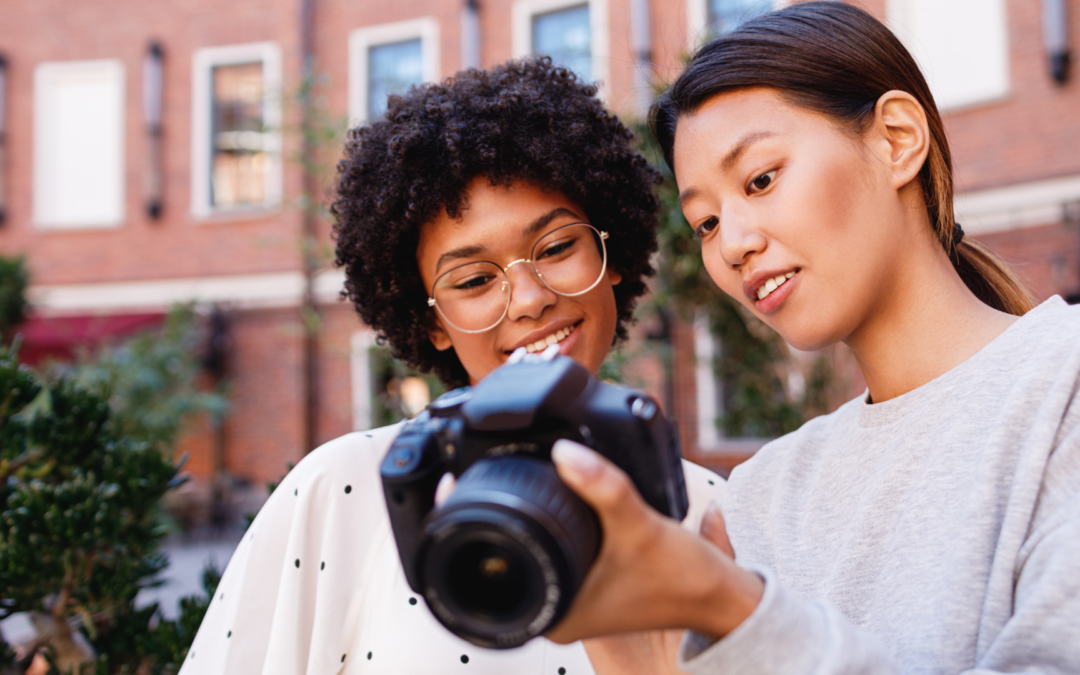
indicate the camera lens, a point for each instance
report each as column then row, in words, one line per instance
column 488, row 578
column 505, row 555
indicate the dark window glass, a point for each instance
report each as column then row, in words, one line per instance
column 392, row 69
column 238, row 137
column 565, row 37
column 726, row 15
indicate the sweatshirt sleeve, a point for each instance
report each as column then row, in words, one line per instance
column 790, row 636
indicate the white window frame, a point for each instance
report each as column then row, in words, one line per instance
column 44, row 138
column 203, row 62
column 425, row 29
column 361, row 344
column 522, row 14
column 697, row 21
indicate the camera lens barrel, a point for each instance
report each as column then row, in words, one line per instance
column 504, row 557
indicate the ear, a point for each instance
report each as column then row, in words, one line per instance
column 901, row 136
column 438, row 335
column 613, row 277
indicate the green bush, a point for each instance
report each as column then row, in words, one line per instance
column 85, row 459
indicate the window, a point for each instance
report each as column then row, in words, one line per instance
column 572, row 32
column 388, row 59
column 564, row 36
column 962, row 47
column 236, row 139
column 706, row 18
column 726, row 15
column 79, row 144
column 385, row 390
column 392, row 69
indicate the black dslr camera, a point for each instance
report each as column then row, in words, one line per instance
column 501, row 560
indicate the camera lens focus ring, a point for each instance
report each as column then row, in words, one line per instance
column 504, row 556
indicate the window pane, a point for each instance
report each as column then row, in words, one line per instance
column 726, row 15
column 392, row 69
column 962, row 47
column 238, row 172
column 566, row 38
column 79, row 144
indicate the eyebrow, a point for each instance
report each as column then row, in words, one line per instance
column 530, row 229
column 542, row 222
column 729, row 159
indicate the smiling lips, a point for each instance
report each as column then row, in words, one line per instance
column 765, row 289
column 545, row 342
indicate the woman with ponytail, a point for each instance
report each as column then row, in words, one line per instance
column 933, row 524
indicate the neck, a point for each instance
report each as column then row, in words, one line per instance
column 929, row 323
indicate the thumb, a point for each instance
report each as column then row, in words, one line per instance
column 714, row 529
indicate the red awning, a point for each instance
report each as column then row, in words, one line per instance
column 60, row 337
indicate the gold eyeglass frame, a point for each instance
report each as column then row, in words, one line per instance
column 509, row 288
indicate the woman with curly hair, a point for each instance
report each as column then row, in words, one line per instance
column 497, row 210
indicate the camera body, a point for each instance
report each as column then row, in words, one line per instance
column 501, row 560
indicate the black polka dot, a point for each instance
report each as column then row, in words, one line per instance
column 296, row 492
column 464, row 658
column 322, row 566
column 193, row 654
column 368, row 435
column 369, row 656
column 221, row 597
column 229, row 634
column 412, row 601
column 343, row 658
column 711, row 483
column 348, row 489
column 298, row 563
column 562, row 671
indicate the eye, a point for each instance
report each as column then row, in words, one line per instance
column 475, row 281
column 556, row 248
column 707, row 227
column 763, row 181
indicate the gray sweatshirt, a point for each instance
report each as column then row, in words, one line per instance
column 937, row 532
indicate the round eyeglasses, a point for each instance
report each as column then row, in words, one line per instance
column 475, row 297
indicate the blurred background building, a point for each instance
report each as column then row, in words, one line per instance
column 161, row 152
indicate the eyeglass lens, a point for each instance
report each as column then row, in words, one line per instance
column 474, row 297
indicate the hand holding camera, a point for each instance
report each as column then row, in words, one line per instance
column 502, row 559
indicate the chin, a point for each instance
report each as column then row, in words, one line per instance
column 808, row 338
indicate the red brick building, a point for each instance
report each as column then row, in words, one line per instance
column 147, row 145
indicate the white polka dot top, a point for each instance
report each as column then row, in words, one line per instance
column 316, row 585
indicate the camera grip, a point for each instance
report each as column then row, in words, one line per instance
column 410, row 473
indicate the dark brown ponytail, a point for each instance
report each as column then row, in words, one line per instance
column 838, row 60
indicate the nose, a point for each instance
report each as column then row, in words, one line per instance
column 528, row 297
column 740, row 239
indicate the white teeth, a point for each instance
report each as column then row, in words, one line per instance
column 543, row 343
column 771, row 285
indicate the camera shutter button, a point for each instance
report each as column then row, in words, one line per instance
column 643, row 408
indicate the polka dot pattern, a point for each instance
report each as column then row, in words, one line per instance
column 393, row 617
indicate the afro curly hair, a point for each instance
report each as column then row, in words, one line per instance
column 524, row 120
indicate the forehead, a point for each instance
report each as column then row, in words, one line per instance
column 494, row 216
column 724, row 119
